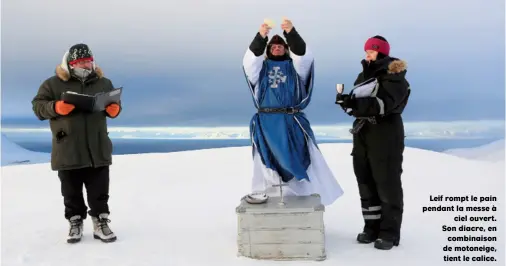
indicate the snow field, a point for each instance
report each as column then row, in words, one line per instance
column 179, row 209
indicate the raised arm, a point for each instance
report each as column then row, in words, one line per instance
column 302, row 56
column 253, row 58
column 43, row 103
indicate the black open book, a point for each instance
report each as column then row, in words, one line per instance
column 92, row 103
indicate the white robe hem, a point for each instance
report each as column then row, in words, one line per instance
column 322, row 180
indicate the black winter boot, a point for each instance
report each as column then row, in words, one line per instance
column 365, row 238
column 385, row 244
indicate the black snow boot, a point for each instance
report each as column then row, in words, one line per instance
column 366, row 238
column 76, row 229
column 385, row 244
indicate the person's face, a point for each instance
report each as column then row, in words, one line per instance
column 277, row 49
column 85, row 64
column 370, row 55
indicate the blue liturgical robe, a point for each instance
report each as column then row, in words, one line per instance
column 281, row 139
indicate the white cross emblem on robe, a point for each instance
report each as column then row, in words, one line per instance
column 275, row 77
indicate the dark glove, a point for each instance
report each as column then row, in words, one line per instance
column 339, row 98
column 345, row 100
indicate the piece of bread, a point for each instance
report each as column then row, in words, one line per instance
column 269, row 22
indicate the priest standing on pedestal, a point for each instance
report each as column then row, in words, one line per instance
column 284, row 146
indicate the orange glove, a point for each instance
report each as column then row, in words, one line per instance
column 112, row 109
column 63, row 108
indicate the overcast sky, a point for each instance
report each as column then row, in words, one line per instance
column 180, row 61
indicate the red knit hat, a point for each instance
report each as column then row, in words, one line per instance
column 378, row 44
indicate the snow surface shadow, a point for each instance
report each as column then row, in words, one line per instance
column 340, row 243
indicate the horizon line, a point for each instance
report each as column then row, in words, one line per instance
column 319, row 125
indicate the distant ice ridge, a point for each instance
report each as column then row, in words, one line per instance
column 492, row 152
column 414, row 130
column 13, row 154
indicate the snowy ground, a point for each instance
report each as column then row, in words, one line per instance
column 179, row 209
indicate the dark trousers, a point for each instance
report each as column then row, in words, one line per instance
column 377, row 162
column 96, row 182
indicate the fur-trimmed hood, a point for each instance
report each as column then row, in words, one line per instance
column 63, row 73
column 388, row 65
column 397, row 66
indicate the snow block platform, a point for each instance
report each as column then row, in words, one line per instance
column 293, row 231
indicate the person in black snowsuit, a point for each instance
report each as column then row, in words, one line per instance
column 380, row 95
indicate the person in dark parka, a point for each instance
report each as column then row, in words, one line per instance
column 81, row 148
column 377, row 102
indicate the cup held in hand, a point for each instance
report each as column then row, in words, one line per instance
column 339, row 88
column 339, row 96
